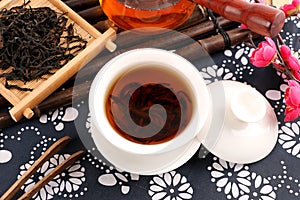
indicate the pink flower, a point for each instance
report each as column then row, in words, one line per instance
column 291, row 61
column 291, row 9
column 288, row 9
column 292, row 100
column 296, row 3
column 264, row 54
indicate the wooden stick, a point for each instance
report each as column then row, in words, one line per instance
column 172, row 41
column 260, row 18
column 78, row 92
column 62, row 75
column 56, row 100
column 207, row 28
column 93, row 15
column 199, row 15
column 57, row 170
column 216, row 43
column 103, row 25
column 14, row 100
column 56, row 147
column 78, row 5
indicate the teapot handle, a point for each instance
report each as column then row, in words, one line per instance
column 262, row 19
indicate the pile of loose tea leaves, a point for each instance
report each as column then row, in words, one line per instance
column 35, row 42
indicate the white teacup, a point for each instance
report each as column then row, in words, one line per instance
column 138, row 59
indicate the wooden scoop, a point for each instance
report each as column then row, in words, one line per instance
column 262, row 19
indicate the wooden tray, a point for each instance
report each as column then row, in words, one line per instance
column 22, row 101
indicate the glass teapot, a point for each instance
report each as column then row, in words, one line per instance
column 129, row 14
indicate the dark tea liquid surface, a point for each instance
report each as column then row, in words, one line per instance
column 152, row 13
column 149, row 105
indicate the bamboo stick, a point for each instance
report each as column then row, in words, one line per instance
column 103, row 25
column 93, row 15
column 53, row 149
column 54, row 101
column 78, row 5
column 171, row 40
column 199, row 15
column 52, row 174
column 260, row 18
column 216, row 43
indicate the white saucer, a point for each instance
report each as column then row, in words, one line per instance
column 144, row 164
column 241, row 139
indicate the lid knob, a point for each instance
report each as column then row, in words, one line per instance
column 248, row 105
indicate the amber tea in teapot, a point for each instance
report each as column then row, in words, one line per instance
column 129, row 14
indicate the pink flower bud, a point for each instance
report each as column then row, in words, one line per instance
column 289, row 59
column 292, row 100
column 264, row 54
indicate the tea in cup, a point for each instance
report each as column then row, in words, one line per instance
column 148, row 101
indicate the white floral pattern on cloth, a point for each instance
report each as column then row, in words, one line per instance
column 239, row 58
column 170, row 186
column 66, row 184
column 289, row 36
column 277, row 96
column 6, row 155
column 289, row 138
column 230, row 178
column 236, row 181
column 111, row 177
column 213, row 73
column 261, row 189
column 285, row 181
column 115, row 177
column 59, row 116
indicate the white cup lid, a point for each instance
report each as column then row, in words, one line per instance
column 244, row 127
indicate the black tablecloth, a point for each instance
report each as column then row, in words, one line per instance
column 275, row 177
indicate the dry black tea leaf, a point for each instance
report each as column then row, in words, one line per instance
column 35, row 42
